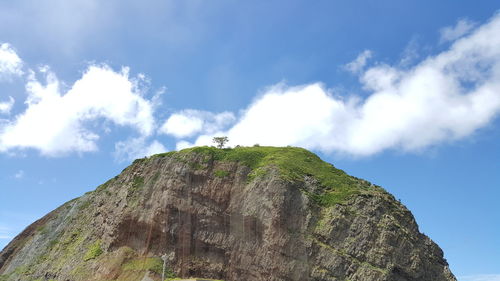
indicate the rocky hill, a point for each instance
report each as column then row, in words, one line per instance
column 247, row 213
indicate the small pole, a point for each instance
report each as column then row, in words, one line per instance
column 164, row 258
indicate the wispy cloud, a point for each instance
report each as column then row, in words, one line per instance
column 10, row 63
column 5, row 233
column 452, row 33
column 480, row 277
column 67, row 28
column 19, row 174
column 359, row 63
column 6, row 106
column 137, row 148
column 69, row 23
column 442, row 98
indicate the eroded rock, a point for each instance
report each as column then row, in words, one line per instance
column 243, row 214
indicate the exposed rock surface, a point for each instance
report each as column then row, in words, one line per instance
column 257, row 213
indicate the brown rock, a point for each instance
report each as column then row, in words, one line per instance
column 255, row 213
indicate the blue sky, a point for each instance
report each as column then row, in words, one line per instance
column 405, row 94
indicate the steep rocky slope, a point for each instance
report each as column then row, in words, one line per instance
column 248, row 213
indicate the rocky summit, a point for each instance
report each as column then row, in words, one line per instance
column 244, row 213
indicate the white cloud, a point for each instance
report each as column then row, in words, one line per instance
column 19, row 174
column 189, row 122
column 443, row 98
column 411, row 53
column 183, row 144
column 10, row 62
column 57, row 123
column 182, row 125
column 481, row 277
column 359, row 63
column 6, row 106
column 451, row 33
column 137, row 148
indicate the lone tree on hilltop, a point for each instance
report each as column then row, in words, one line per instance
column 220, row 141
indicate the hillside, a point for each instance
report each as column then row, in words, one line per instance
column 247, row 213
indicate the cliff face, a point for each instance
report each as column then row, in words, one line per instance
column 258, row 213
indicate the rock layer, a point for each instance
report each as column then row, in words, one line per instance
column 236, row 214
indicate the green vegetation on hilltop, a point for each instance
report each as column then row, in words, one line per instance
column 295, row 165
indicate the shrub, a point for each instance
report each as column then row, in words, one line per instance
column 221, row 173
column 94, row 251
